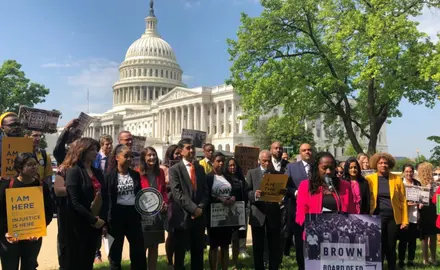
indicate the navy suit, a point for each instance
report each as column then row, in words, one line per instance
column 297, row 173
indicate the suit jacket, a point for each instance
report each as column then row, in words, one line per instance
column 80, row 195
column 284, row 164
column 259, row 209
column 312, row 203
column 111, row 178
column 185, row 200
column 296, row 173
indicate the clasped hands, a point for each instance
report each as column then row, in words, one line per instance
column 13, row 240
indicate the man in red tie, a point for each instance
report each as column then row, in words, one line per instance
column 189, row 197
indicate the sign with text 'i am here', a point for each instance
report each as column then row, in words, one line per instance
column 25, row 210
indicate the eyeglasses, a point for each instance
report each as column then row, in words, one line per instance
column 339, row 172
column 31, row 164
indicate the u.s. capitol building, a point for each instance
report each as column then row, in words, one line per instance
column 150, row 99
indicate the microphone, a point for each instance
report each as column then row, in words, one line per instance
column 329, row 181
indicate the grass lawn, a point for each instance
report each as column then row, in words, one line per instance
column 288, row 262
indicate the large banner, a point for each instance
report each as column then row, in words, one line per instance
column 38, row 119
column 344, row 242
column 228, row 215
column 247, row 157
column 198, row 137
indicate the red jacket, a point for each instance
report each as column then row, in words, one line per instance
column 434, row 200
column 307, row 203
column 161, row 185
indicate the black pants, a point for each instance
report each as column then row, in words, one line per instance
column 126, row 222
column 24, row 253
column 299, row 245
column 408, row 238
column 313, row 252
column 273, row 237
column 61, row 237
column 194, row 235
column 389, row 241
column 81, row 247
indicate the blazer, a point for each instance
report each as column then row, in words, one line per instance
column 397, row 194
column 97, row 162
column 185, row 200
column 261, row 210
column 111, row 178
column 80, row 195
column 364, row 191
column 312, row 203
column 161, row 185
column 284, row 164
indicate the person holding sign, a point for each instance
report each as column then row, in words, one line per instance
column 9, row 127
column 265, row 217
column 86, row 204
column 123, row 184
column 388, row 200
column 427, row 221
column 324, row 191
column 152, row 176
column 14, row 251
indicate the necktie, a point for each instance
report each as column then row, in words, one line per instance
column 192, row 175
column 307, row 167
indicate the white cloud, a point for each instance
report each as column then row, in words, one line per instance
column 188, row 4
column 187, row 78
column 429, row 22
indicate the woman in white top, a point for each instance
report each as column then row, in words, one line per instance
column 123, row 184
column 408, row 237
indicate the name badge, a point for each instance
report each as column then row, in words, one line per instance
column 149, row 202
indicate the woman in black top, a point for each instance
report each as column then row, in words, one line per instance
column 360, row 188
column 14, row 251
column 85, row 214
column 123, row 184
column 233, row 173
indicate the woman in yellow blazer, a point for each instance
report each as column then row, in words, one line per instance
column 387, row 200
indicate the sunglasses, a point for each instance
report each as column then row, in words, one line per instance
column 436, row 174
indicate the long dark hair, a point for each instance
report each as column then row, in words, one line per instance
column 77, row 150
column 359, row 176
column 315, row 181
column 169, row 154
column 238, row 171
column 143, row 166
column 113, row 163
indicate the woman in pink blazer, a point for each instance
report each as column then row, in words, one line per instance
column 323, row 192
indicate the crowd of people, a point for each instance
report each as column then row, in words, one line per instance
column 94, row 195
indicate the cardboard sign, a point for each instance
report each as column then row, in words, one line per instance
column 247, row 157
column 38, row 119
column 228, row 215
column 138, row 144
column 198, row 137
column 25, row 210
column 84, row 122
column 10, row 149
column 336, row 241
column 271, row 186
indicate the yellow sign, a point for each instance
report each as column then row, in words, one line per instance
column 271, row 187
column 10, row 148
column 26, row 215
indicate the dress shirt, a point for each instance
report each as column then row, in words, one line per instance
column 276, row 164
column 187, row 166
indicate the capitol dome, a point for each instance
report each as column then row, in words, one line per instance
column 149, row 71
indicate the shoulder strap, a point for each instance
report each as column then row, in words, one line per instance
column 11, row 182
column 44, row 156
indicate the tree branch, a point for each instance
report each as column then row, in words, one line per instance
column 281, row 55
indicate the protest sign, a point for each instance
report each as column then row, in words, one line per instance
column 84, row 122
column 138, row 144
column 38, row 119
column 10, row 148
column 271, row 187
column 25, row 211
column 438, row 204
column 418, row 194
column 198, row 137
column 228, row 215
column 337, row 241
column 247, row 157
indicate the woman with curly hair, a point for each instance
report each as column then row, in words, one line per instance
column 428, row 229
column 323, row 190
column 359, row 186
column 86, row 212
column 388, row 200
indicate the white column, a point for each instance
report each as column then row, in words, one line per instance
column 142, row 93
column 225, row 117
column 154, row 92
column 112, row 131
column 202, row 117
column 148, row 94
column 159, row 119
column 211, row 118
column 195, row 116
column 173, row 122
column 233, row 117
column 188, row 116
column 217, row 122
column 182, row 118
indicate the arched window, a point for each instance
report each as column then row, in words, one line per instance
column 219, row 147
column 228, row 147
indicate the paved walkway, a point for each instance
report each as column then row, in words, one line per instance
column 48, row 258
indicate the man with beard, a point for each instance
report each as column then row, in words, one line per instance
column 9, row 127
column 279, row 164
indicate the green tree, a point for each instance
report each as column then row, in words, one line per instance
column 16, row 89
column 435, row 152
column 282, row 129
column 351, row 61
column 401, row 162
column 420, row 158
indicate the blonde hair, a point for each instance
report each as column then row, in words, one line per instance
column 424, row 173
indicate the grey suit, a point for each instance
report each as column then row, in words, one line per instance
column 185, row 200
column 265, row 220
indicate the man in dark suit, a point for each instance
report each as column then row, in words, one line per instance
column 265, row 217
column 297, row 172
column 189, row 199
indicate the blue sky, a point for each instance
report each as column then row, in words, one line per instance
column 72, row 46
